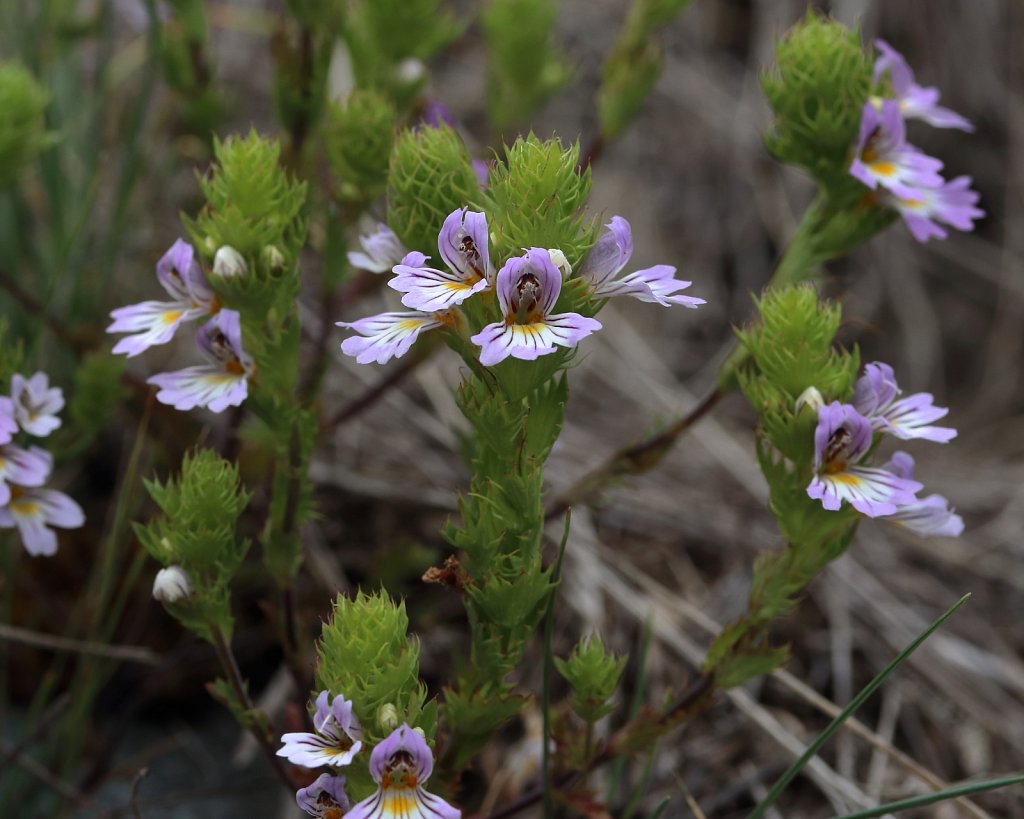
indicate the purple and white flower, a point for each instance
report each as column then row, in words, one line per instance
column 876, row 397
column 930, row 516
column 36, row 404
column 953, row 203
column 381, row 251
column 390, row 335
column 915, row 101
column 155, row 322
column 883, row 158
column 325, row 798
column 653, row 284
column 463, row 245
column 842, row 440
column 337, row 740
column 8, row 424
column 528, row 287
column 223, row 382
column 400, row 765
column 22, row 467
column 33, row 511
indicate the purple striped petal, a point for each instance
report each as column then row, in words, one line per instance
column 8, row 426
column 463, row 244
column 432, row 290
column 608, row 256
column 528, row 342
column 382, row 250
column 386, row 336
column 34, row 511
column 325, row 798
column 870, row 490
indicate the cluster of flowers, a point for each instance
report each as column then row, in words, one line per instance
column 32, row 409
column 221, row 382
column 527, row 289
column 908, row 178
column 845, row 438
column 399, row 765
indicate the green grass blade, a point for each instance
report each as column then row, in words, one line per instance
column 938, row 796
column 856, row 703
column 549, row 627
column 660, row 810
column 636, row 701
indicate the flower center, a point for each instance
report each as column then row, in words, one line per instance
column 525, row 303
column 467, row 247
column 836, row 451
column 400, row 772
column 328, row 807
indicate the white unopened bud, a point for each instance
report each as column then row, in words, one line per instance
column 272, row 257
column 228, row 263
column 558, row 260
column 341, row 78
column 411, row 70
column 809, row 398
column 171, row 585
column 387, row 716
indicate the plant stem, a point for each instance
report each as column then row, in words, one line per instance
column 634, row 458
column 33, row 307
column 234, row 677
column 549, row 630
column 697, row 694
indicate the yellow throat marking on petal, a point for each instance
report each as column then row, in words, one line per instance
column 530, row 329
column 912, row 203
column 171, row 316
column 883, row 168
column 408, row 325
column 26, row 508
column 846, row 479
column 398, row 804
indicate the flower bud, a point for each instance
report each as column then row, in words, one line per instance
column 411, row 70
column 387, row 716
column 273, row 258
column 171, row 585
column 558, row 260
column 228, row 263
column 809, row 398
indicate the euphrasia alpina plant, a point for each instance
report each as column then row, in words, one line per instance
column 505, row 263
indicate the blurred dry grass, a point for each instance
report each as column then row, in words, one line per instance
column 675, row 546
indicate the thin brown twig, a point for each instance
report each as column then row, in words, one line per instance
column 131, row 654
column 45, row 775
column 593, row 152
column 370, row 397
column 638, row 457
column 31, row 305
column 49, row 716
column 234, row 675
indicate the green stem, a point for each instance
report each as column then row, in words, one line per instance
column 234, row 676
column 939, row 796
column 549, row 630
